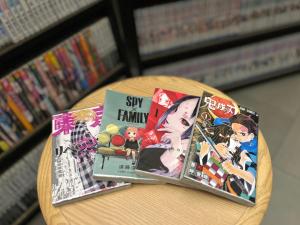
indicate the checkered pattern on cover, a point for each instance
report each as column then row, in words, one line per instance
column 84, row 155
column 83, row 142
column 216, row 174
column 211, row 173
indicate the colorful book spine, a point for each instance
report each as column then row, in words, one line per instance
column 53, row 80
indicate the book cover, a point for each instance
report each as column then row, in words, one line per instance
column 74, row 144
column 123, row 121
column 223, row 152
column 167, row 135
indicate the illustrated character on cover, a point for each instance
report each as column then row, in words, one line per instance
column 84, row 146
column 175, row 124
column 118, row 142
column 244, row 161
column 231, row 155
column 131, row 144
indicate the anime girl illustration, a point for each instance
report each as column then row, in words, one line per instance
column 131, row 143
column 171, row 132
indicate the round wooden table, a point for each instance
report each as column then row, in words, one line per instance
column 155, row 204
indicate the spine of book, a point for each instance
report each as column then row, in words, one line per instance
column 79, row 58
column 47, row 75
column 5, row 141
column 100, row 67
column 67, row 72
column 70, row 6
column 77, row 66
column 13, row 181
column 58, row 9
column 19, row 82
column 59, row 70
column 15, row 124
column 4, row 146
column 14, row 19
column 49, row 4
column 5, row 38
column 7, row 128
column 17, row 106
column 28, row 17
column 53, row 9
column 89, row 59
column 10, row 201
column 24, row 98
column 40, row 88
column 49, row 83
column 74, row 78
column 36, row 16
column 7, row 23
column 84, row 60
column 62, row 5
column 15, row 12
column 33, row 88
column 57, row 75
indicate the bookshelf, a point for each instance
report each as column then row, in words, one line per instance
column 213, row 46
column 42, row 131
column 28, row 214
column 49, row 39
column 206, row 47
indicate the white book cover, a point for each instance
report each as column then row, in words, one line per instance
column 74, row 145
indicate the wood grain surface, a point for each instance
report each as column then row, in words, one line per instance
column 155, row 204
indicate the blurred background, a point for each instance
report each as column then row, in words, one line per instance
column 54, row 53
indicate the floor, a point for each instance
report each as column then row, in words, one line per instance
column 278, row 105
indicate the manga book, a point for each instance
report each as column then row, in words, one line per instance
column 167, row 135
column 223, row 152
column 74, row 144
column 123, row 122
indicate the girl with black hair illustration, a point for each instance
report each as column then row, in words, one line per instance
column 166, row 157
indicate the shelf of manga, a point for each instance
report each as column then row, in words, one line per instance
column 51, row 34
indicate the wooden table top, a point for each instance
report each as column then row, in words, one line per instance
column 155, row 204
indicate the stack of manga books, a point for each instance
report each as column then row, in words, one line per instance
column 182, row 23
column 48, row 83
column 20, row 19
column 205, row 142
column 229, row 67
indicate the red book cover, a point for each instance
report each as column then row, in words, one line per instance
column 167, row 134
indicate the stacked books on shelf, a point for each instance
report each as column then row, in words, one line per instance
column 182, row 23
column 15, row 200
column 238, row 64
column 53, row 80
column 206, row 142
column 22, row 18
